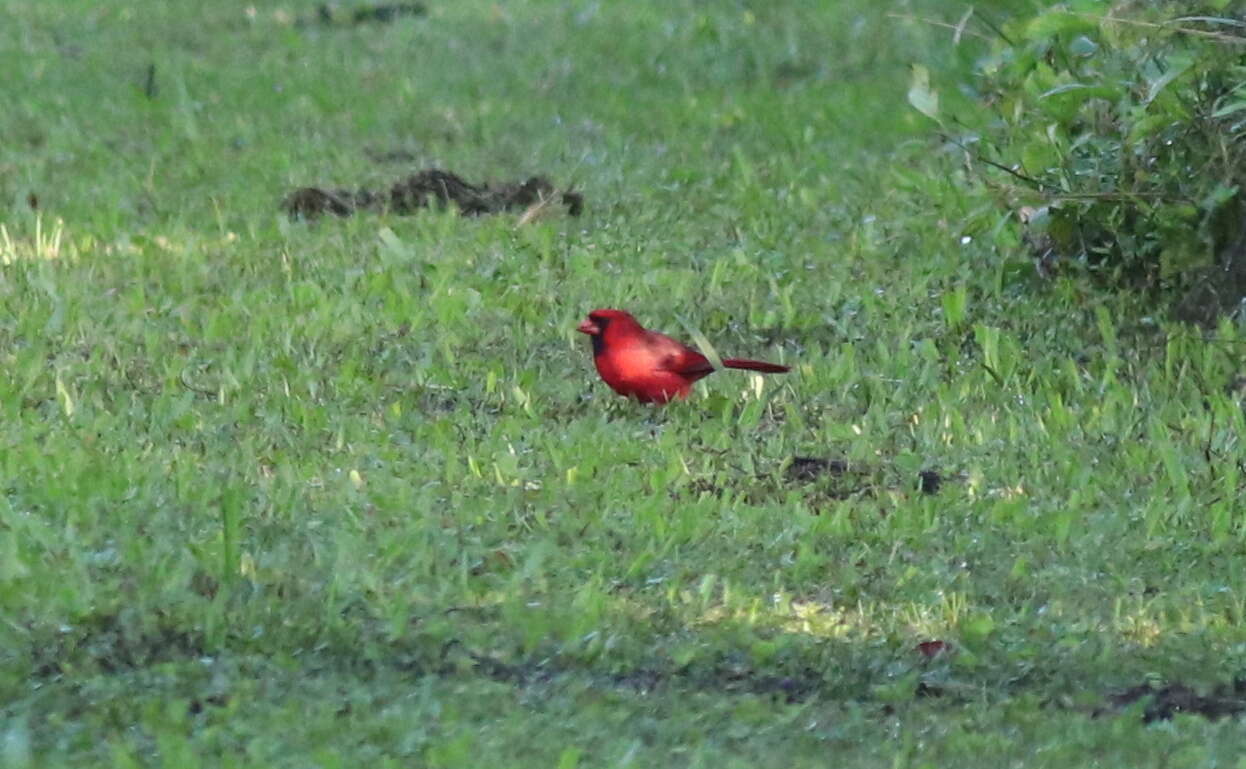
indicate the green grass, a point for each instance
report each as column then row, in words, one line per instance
column 349, row 492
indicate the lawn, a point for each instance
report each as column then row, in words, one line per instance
column 349, row 492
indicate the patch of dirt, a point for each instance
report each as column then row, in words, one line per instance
column 929, row 481
column 198, row 705
column 399, row 156
column 834, row 479
column 1164, row 702
column 329, row 14
column 432, row 186
column 809, row 469
column 825, row 481
column 115, row 645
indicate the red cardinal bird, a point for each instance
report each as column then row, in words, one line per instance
column 646, row 365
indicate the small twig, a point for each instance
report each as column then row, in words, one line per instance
column 960, row 25
column 535, row 210
column 1016, row 174
column 1118, row 196
column 1213, row 20
column 1217, row 36
column 995, row 28
column 994, row 374
column 1012, row 172
column 1046, row 188
column 957, row 28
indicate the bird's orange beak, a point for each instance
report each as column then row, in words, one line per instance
column 587, row 326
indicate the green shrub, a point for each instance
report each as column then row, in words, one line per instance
column 1117, row 137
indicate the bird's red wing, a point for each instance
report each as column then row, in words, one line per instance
column 693, row 365
column 677, row 357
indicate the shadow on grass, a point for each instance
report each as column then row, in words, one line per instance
column 112, row 645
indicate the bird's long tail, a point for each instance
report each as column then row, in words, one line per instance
column 755, row 365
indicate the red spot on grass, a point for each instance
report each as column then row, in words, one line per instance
column 932, row 649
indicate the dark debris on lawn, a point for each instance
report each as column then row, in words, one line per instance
column 1164, row 702
column 432, row 186
column 329, row 14
column 809, row 469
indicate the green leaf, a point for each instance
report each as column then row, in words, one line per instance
column 1064, row 102
column 1083, row 46
column 1230, row 109
column 1082, row 90
column 1180, row 255
column 955, row 303
column 921, row 96
column 570, row 757
column 1038, row 156
column 1179, row 66
column 1222, row 194
column 1148, row 126
column 977, row 628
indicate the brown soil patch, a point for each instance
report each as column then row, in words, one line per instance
column 429, row 187
column 929, row 481
column 1164, row 702
column 809, row 469
column 382, row 13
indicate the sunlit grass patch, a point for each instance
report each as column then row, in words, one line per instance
column 42, row 244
